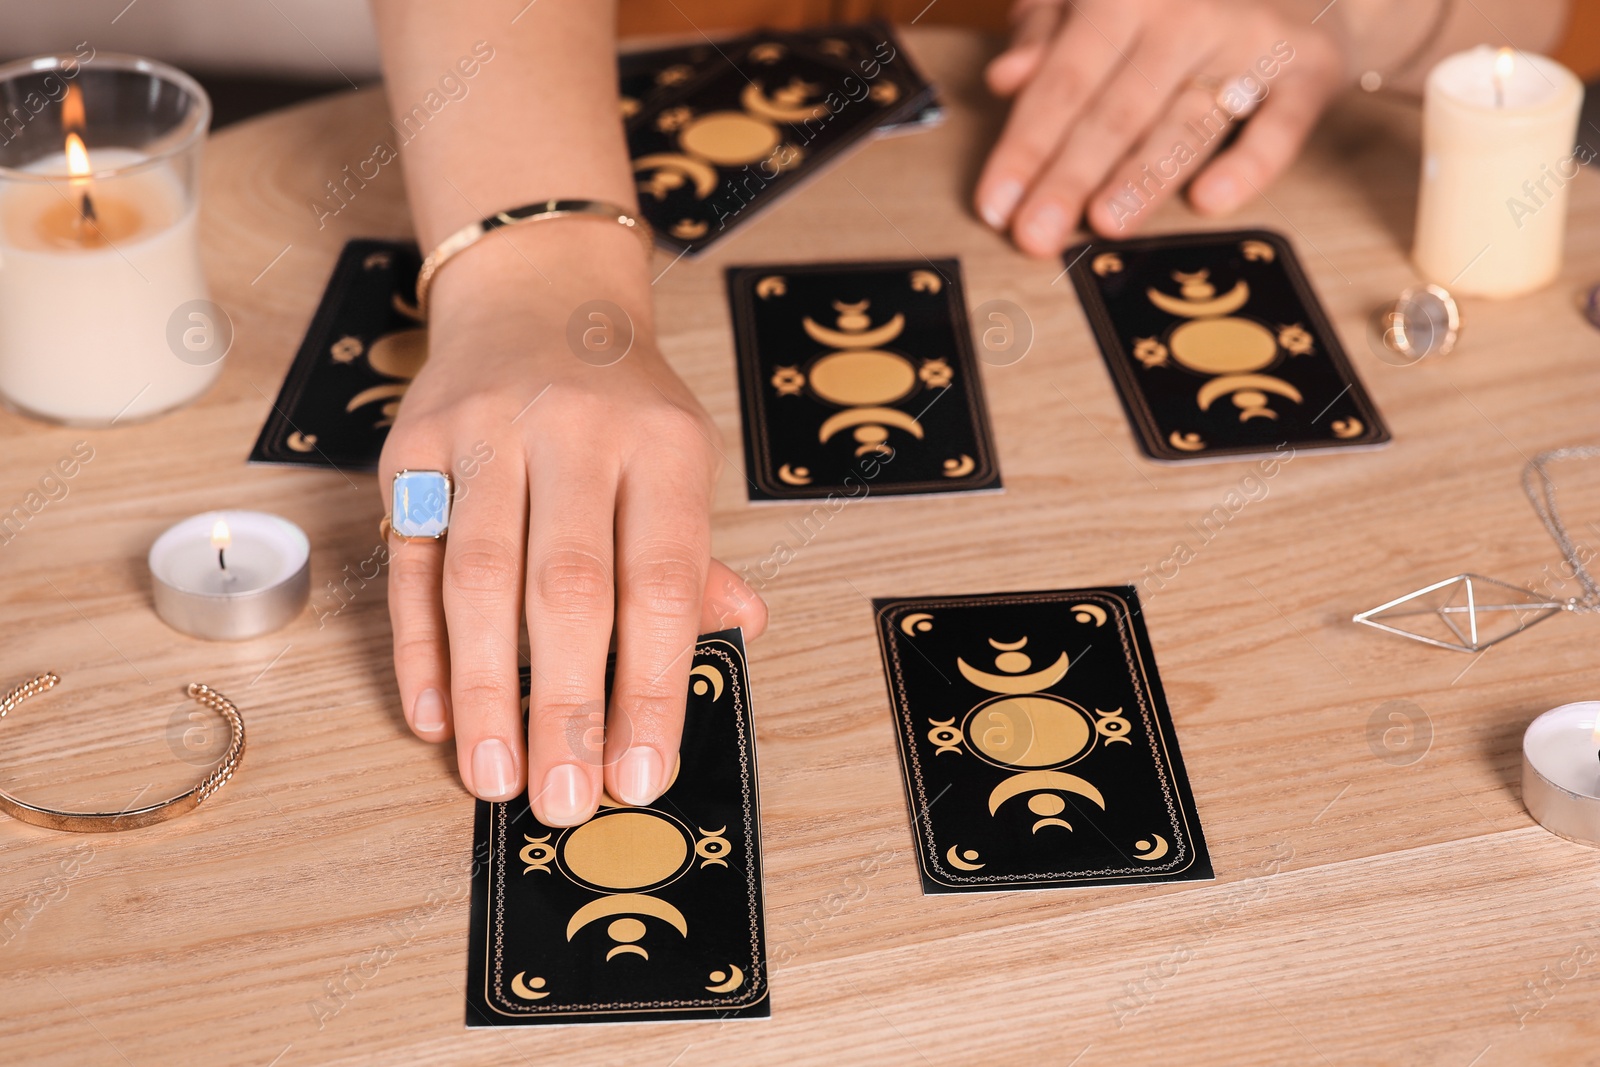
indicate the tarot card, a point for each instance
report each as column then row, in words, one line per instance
column 642, row 913
column 1036, row 742
column 722, row 147
column 365, row 344
column 859, row 379
column 1219, row 348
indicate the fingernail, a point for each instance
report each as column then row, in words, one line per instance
column 494, row 773
column 1001, row 202
column 566, row 796
column 638, row 775
column 1220, row 192
column 1047, row 227
column 427, row 715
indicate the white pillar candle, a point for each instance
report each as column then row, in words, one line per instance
column 84, row 309
column 229, row 575
column 1498, row 133
column 1561, row 771
column 100, row 272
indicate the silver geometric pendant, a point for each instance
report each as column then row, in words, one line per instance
column 1467, row 613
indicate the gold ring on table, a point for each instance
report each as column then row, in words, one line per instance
column 130, row 817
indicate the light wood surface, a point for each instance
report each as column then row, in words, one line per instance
column 1365, row 912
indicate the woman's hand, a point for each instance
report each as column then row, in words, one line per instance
column 1119, row 103
column 592, row 511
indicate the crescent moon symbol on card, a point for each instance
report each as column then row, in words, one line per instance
column 1155, row 848
column 918, row 622
column 1015, row 683
column 627, row 904
column 959, row 468
column 865, row 416
column 377, row 392
column 702, row 174
column 726, row 982
column 962, row 861
column 1231, row 383
column 708, row 675
column 866, row 339
column 757, row 102
column 628, row 949
column 1033, row 781
column 1089, row 613
column 1226, row 304
column 525, row 990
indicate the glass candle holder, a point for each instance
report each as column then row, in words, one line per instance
column 104, row 312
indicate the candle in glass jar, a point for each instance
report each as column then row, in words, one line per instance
column 1498, row 148
column 99, row 247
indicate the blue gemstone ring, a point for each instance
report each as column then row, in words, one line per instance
column 420, row 505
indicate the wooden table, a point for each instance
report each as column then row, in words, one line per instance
column 1370, row 906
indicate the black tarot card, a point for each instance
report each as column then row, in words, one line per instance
column 640, row 914
column 859, row 379
column 365, row 344
column 1036, row 742
column 713, row 152
column 1219, row 347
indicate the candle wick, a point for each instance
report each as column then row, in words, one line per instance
column 221, row 560
column 86, row 212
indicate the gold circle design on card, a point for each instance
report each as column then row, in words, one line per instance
column 627, row 850
column 1029, row 731
column 862, row 376
column 729, row 138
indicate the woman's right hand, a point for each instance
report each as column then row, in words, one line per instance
column 592, row 514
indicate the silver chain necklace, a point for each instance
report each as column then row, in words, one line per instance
column 1454, row 613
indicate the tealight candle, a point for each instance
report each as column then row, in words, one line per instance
column 1561, row 771
column 100, row 274
column 229, row 575
column 1498, row 133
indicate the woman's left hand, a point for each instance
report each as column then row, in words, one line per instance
column 1119, row 103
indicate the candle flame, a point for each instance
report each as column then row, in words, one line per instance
column 1505, row 61
column 77, row 157
column 72, row 109
column 221, row 536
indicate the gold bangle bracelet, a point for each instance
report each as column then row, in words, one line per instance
column 129, row 818
column 544, row 210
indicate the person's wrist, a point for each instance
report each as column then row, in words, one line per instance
column 540, row 274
